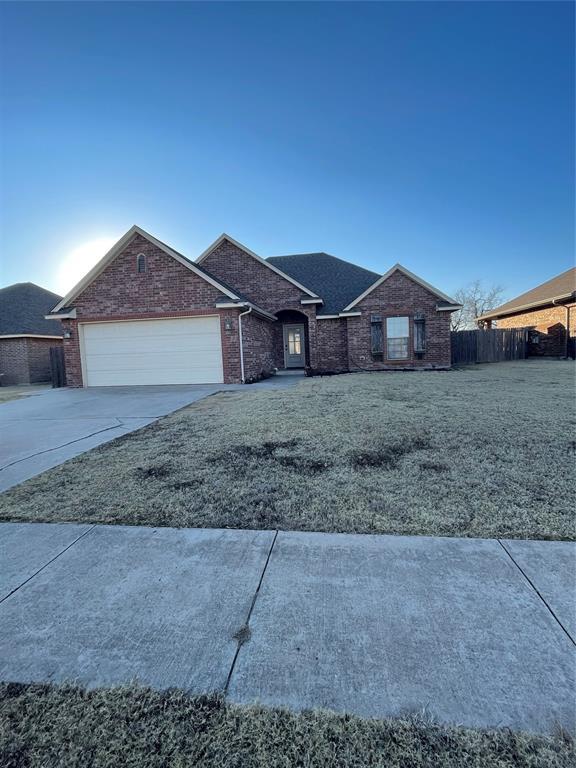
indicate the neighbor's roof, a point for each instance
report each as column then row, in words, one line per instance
column 338, row 282
column 562, row 286
column 22, row 310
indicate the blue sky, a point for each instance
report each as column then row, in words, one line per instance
column 435, row 134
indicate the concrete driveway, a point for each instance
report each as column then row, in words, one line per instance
column 474, row 631
column 50, row 427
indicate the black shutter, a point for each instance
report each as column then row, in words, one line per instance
column 419, row 334
column 376, row 335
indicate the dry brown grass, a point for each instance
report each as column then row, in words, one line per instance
column 45, row 726
column 16, row 392
column 482, row 451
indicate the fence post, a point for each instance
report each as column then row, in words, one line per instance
column 57, row 366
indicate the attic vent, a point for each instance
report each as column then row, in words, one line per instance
column 141, row 263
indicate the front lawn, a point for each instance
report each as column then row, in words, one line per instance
column 22, row 390
column 42, row 725
column 481, row 451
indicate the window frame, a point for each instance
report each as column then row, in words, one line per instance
column 141, row 259
column 295, row 341
column 403, row 338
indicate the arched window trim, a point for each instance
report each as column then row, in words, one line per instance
column 141, row 263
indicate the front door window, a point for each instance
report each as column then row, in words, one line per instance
column 294, row 347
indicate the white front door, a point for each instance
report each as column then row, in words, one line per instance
column 172, row 351
column 294, row 351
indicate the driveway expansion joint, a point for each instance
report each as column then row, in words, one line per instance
column 58, row 447
column 535, row 588
column 242, row 635
column 66, row 422
column 84, row 533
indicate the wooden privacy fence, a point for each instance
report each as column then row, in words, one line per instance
column 488, row 346
column 57, row 366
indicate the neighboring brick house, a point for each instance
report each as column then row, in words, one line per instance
column 547, row 311
column 25, row 335
column 148, row 315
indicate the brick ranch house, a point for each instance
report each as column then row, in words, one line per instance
column 148, row 315
column 25, row 335
column 547, row 311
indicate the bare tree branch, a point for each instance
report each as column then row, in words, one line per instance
column 476, row 299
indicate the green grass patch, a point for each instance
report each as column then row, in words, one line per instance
column 44, row 726
column 482, row 451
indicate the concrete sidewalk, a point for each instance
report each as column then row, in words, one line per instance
column 477, row 632
column 51, row 426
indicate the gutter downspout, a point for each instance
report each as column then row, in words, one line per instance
column 567, row 330
column 240, row 316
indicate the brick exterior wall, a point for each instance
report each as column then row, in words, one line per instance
column 265, row 288
column 230, row 346
column 253, row 279
column 399, row 296
column 278, row 345
column 39, row 359
column 550, row 323
column 258, row 341
column 332, row 339
column 165, row 289
column 26, row 360
column 14, row 362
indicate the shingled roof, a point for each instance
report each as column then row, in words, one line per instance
column 337, row 281
column 561, row 287
column 22, row 310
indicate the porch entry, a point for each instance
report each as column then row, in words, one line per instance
column 294, row 350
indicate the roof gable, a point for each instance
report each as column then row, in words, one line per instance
column 560, row 287
column 118, row 247
column 255, row 256
column 399, row 268
column 22, row 310
column 338, row 282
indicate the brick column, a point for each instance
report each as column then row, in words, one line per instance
column 72, row 359
column 310, row 312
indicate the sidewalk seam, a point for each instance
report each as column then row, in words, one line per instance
column 568, row 635
column 247, row 622
column 48, row 563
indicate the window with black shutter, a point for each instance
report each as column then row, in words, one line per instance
column 397, row 338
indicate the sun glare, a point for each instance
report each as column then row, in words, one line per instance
column 78, row 262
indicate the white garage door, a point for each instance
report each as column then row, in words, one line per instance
column 175, row 351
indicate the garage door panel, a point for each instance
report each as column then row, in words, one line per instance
column 160, row 338
column 180, row 345
column 136, row 363
column 161, row 377
column 166, row 327
column 174, row 351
